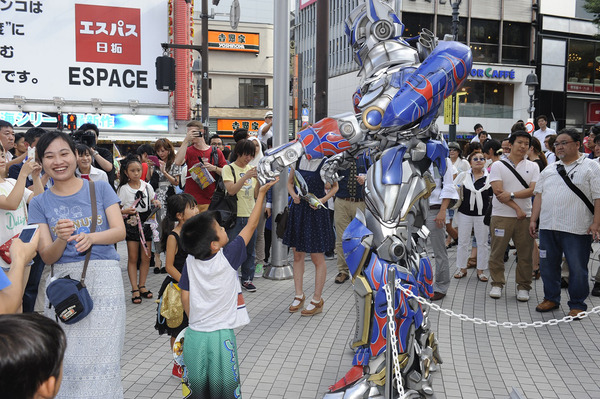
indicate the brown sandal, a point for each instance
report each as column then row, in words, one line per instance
column 471, row 263
column 294, row 309
column 318, row 308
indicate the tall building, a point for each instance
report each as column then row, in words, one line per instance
column 499, row 33
column 568, row 60
column 240, row 66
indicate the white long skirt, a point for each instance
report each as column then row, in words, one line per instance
column 92, row 365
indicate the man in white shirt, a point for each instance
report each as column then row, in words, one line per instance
column 543, row 131
column 265, row 131
column 567, row 224
column 7, row 138
column 436, row 223
column 511, row 210
column 478, row 128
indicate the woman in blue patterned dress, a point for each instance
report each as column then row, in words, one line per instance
column 309, row 229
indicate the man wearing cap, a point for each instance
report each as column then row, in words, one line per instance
column 266, row 129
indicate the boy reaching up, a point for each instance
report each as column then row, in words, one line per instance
column 212, row 298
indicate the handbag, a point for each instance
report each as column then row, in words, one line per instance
column 5, row 250
column 70, row 297
column 171, row 307
column 224, row 205
column 281, row 222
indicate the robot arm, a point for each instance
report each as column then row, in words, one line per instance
column 325, row 138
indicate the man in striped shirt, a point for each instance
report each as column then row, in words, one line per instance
column 567, row 225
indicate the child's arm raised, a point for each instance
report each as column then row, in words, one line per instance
column 11, row 201
column 248, row 230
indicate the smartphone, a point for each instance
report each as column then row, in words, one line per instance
column 31, row 153
column 154, row 160
column 28, row 232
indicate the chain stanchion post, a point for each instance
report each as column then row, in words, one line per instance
column 389, row 365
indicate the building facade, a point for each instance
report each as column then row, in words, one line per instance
column 240, row 67
column 568, row 60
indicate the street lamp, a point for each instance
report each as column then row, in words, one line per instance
column 531, row 82
column 455, row 4
column 197, row 71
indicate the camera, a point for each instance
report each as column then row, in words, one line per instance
column 87, row 137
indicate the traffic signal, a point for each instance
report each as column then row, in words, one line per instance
column 165, row 73
column 59, row 122
column 72, row 122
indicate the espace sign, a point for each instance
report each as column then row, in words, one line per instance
column 84, row 49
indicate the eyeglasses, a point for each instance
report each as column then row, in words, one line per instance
column 453, row 149
column 478, row 159
column 562, row 143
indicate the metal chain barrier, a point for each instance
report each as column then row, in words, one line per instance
column 492, row 323
column 394, row 340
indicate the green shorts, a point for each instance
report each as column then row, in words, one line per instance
column 212, row 365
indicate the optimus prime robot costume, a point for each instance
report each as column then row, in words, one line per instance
column 396, row 105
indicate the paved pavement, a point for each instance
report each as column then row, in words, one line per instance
column 284, row 355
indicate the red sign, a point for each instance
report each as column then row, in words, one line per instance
column 593, row 114
column 108, row 35
column 530, row 127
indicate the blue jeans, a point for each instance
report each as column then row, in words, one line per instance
column 577, row 252
column 248, row 265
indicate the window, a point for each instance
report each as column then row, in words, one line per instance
column 515, row 43
column 486, row 99
column 485, row 37
column 253, row 93
column 444, row 26
column 414, row 23
column 582, row 68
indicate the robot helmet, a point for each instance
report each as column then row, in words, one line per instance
column 371, row 23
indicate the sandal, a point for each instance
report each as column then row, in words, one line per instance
column 482, row 277
column 471, row 263
column 146, row 294
column 299, row 300
column 452, row 243
column 156, row 270
column 536, row 274
column 461, row 273
column 136, row 298
column 317, row 308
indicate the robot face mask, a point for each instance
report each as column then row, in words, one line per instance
column 369, row 24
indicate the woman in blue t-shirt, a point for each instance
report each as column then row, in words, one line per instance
column 64, row 213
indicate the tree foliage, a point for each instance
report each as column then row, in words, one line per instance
column 593, row 7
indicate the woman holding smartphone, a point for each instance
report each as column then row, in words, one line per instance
column 63, row 213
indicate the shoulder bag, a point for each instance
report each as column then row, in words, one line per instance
column 70, row 298
column 560, row 168
column 223, row 204
column 488, row 212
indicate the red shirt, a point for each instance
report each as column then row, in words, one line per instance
column 191, row 159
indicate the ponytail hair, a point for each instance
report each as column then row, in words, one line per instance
column 130, row 158
column 175, row 204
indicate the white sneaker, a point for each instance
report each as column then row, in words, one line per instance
column 522, row 295
column 496, row 292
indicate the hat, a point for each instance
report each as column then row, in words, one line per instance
column 455, row 145
column 269, row 114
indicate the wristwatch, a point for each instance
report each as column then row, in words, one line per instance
column 95, row 153
column 512, row 196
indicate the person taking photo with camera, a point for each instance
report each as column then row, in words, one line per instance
column 202, row 160
column 102, row 158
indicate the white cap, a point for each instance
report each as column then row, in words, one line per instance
column 269, row 114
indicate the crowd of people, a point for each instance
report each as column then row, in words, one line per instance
column 160, row 201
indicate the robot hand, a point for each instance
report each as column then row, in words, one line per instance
column 330, row 168
column 277, row 159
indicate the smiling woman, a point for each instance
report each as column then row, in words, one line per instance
column 63, row 213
